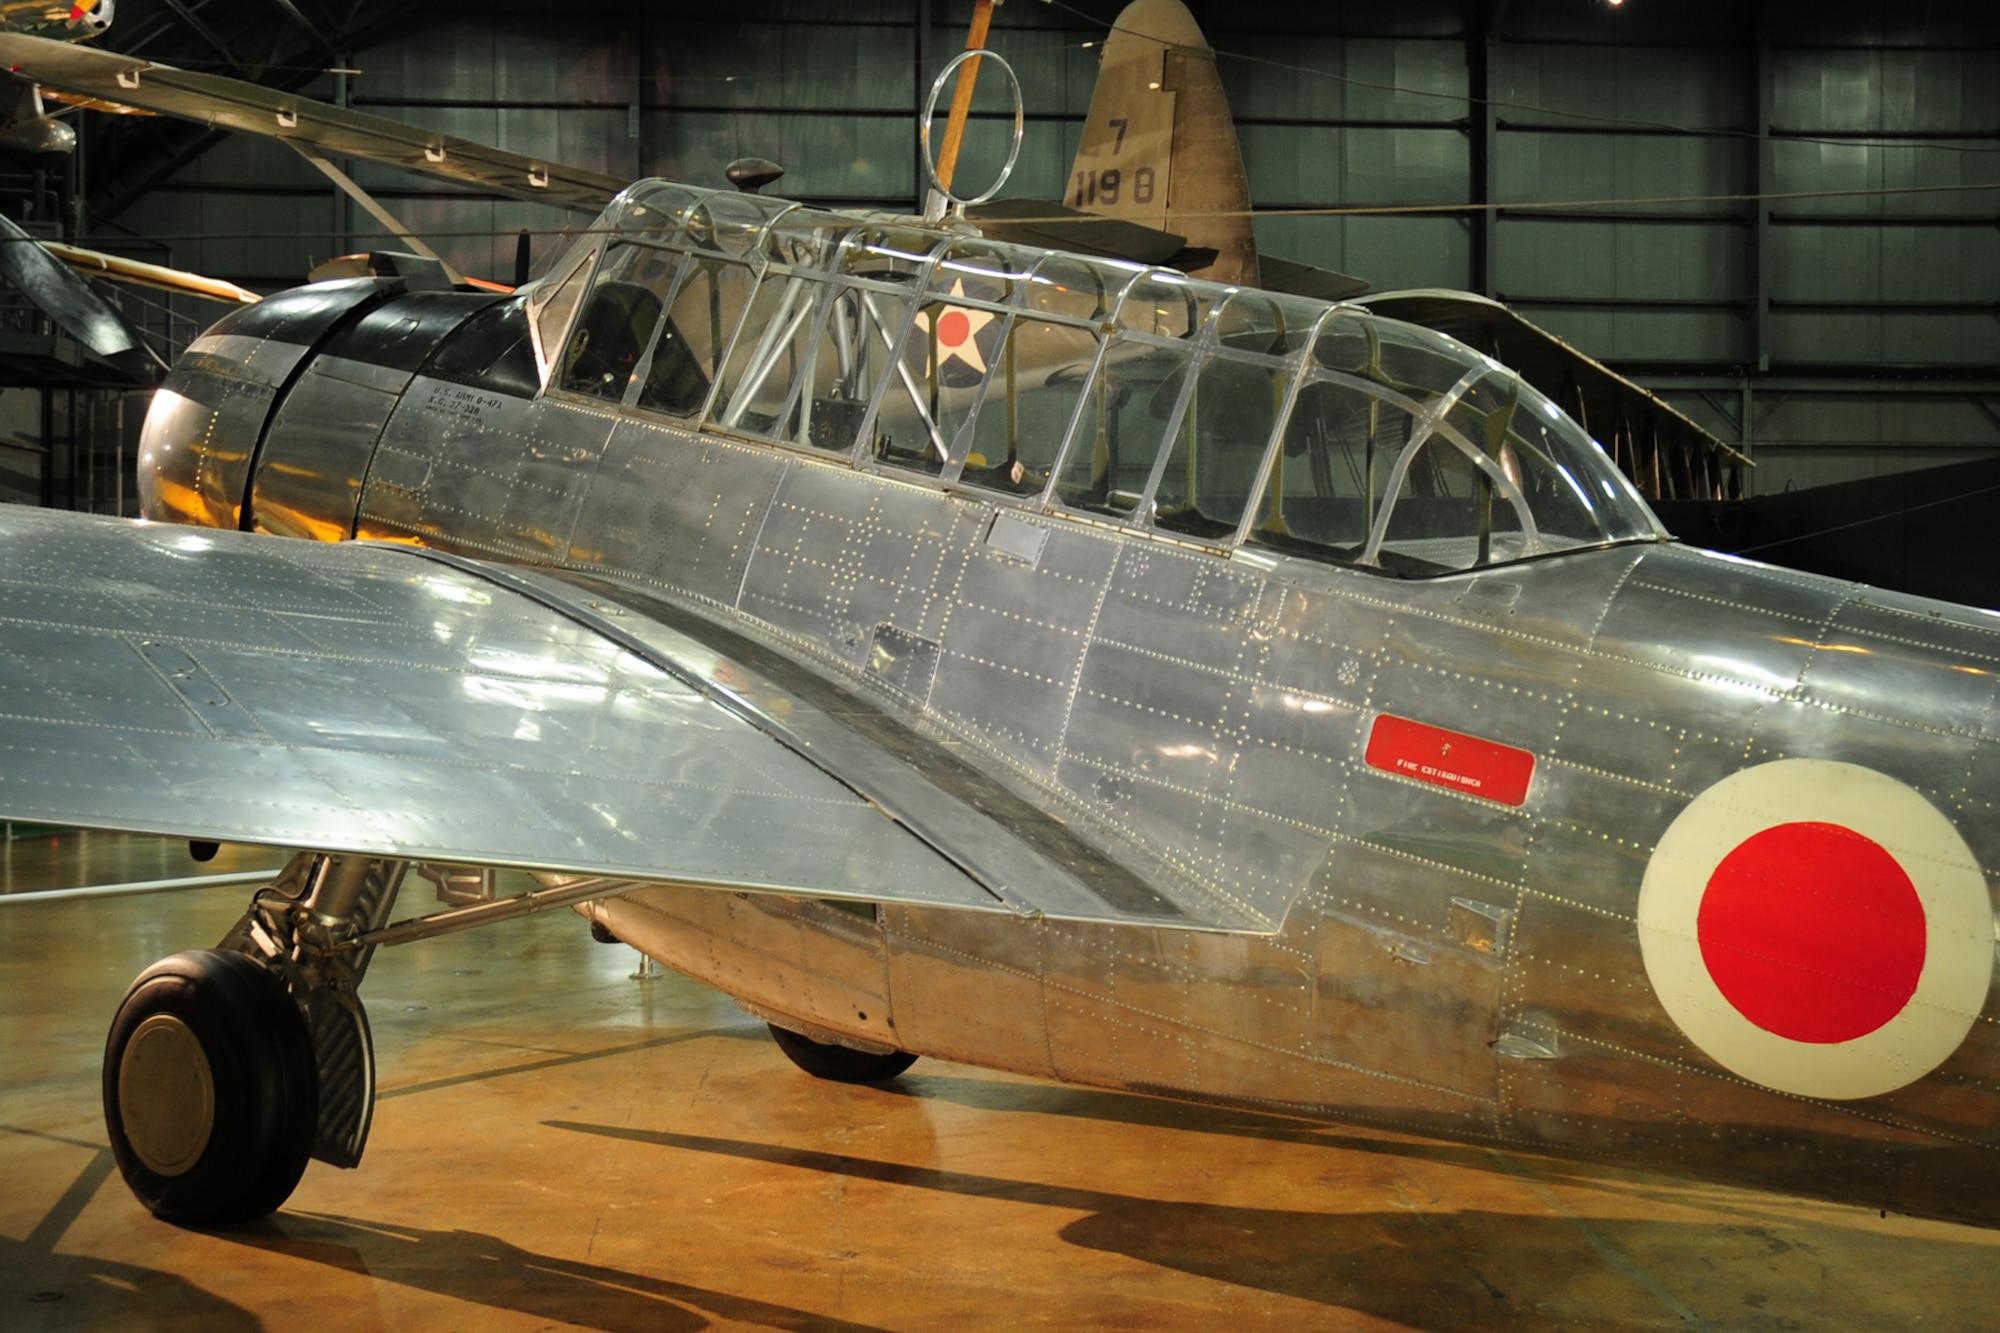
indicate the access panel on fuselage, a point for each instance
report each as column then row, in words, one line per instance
column 469, row 469
column 676, row 510
column 842, row 553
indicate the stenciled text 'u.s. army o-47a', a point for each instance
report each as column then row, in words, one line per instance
column 959, row 649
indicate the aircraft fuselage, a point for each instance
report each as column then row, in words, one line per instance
column 1440, row 797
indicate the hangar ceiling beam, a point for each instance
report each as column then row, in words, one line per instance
column 1838, row 381
column 930, row 17
column 1483, row 129
column 209, row 35
column 1985, row 409
column 1762, row 173
column 305, row 25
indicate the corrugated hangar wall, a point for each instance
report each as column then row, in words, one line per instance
column 1808, row 261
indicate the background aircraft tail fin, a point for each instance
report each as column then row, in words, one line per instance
column 1159, row 147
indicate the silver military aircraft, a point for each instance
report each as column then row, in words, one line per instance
column 950, row 647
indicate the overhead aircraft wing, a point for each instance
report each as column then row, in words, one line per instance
column 392, row 702
column 1657, row 445
column 233, row 104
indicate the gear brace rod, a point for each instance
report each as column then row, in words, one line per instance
column 566, row 894
column 140, row 886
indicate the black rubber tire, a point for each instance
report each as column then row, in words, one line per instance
column 602, row 933
column 264, row 1079
column 841, row 1064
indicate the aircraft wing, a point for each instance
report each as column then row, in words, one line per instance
column 38, row 274
column 394, row 702
column 233, row 104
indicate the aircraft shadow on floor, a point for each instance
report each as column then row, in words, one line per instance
column 44, row 1290
column 41, row 1287
column 1714, row 1191
column 1161, row 1112
column 542, row 1063
column 486, row 1270
column 1426, row 1269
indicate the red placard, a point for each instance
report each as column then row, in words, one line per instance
column 1450, row 759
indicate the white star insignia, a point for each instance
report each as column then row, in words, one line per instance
column 956, row 330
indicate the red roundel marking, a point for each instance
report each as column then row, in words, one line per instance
column 1813, row 932
column 953, row 328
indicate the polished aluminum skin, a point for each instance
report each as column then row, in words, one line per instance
column 1144, row 571
column 452, row 718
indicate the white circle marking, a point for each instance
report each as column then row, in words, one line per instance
column 1958, row 915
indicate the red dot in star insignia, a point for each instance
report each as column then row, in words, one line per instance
column 953, row 328
column 1813, row 932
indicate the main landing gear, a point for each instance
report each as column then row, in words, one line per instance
column 211, row 1092
column 228, row 1068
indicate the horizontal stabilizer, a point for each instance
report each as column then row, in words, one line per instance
column 233, row 104
column 1653, row 442
column 1290, row 278
column 1057, row 227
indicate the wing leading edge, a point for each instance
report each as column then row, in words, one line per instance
column 388, row 702
column 234, row 104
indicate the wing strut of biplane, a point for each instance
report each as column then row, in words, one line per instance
column 353, row 190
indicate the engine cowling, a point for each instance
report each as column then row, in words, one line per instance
column 269, row 420
column 205, row 422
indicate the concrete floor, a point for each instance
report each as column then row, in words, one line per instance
column 561, row 1145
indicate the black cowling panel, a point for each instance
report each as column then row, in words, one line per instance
column 402, row 332
column 492, row 351
column 302, row 315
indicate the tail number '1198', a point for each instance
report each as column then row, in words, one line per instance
column 1095, row 187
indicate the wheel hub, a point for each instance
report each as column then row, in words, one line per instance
column 166, row 1095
